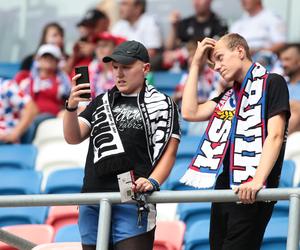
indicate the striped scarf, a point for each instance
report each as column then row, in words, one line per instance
column 238, row 122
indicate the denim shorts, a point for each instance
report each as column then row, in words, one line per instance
column 124, row 222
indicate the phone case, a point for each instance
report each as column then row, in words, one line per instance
column 84, row 78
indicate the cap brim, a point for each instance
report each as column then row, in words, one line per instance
column 85, row 23
column 120, row 59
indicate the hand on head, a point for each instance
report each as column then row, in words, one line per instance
column 203, row 51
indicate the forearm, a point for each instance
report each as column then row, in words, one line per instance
column 164, row 166
column 71, row 128
column 172, row 39
column 270, row 153
column 28, row 114
column 190, row 97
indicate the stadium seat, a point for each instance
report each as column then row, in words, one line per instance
column 281, row 209
column 287, row 174
column 18, row 156
column 20, row 181
column 190, row 213
column 166, row 81
column 49, row 131
column 173, row 181
column 8, row 70
column 22, row 215
column 169, row 235
column 187, row 147
column 196, row 237
column 59, row 216
column 292, row 146
column 38, row 234
column 276, row 234
column 64, row 181
column 59, row 246
column 69, row 233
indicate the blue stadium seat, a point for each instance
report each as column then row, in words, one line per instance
column 69, row 233
column 18, row 156
column 166, row 81
column 173, row 181
column 65, row 181
column 8, row 70
column 22, row 215
column 287, row 174
column 188, row 146
column 20, row 181
column 190, row 213
column 276, row 234
column 196, row 237
column 281, row 209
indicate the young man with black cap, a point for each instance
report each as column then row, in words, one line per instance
column 132, row 127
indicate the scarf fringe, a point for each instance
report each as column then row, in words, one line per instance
column 198, row 179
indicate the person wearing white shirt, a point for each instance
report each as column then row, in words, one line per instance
column 136, row 25
column 262, row 29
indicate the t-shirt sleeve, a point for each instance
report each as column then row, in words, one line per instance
column 176, row 133
column 277, row 96
column 219, row 97
column 86, row 115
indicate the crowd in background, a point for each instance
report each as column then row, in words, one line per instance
column 39, row 89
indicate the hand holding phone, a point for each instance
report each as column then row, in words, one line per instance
column 84, row 78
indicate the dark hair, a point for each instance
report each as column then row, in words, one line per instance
column 290, row 45
column 45, row 31
column 141, row 3
column 233, row 40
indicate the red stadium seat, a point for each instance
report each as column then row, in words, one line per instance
column 38, row 234
column 62, row 215
column 169, row 235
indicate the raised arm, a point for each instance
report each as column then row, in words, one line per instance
column 191, row 110
column 75, row 131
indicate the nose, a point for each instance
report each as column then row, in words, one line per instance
column 217, row 66
column 120, row 72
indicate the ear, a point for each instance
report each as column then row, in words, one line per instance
column 146, row 68
column 241, row 52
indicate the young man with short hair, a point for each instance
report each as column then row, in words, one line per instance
column 246, row 133
column 131, row 127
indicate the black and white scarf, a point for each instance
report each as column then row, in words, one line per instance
column 157, row 111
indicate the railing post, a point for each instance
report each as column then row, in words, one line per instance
column 103, row 225
column 294, row 218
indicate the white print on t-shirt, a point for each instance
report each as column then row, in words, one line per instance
column 127, row 117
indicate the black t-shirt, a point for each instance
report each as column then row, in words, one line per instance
column 277, row 98
column 190, row 29
column 132, row 133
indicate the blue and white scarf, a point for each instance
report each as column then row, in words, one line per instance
column 238, row 122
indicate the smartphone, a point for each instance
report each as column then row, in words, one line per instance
column 84, row 78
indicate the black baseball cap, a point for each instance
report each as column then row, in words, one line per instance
column 91, row 17
column 128, row 52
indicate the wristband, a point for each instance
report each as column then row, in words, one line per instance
column 70, row 109
column 154, row 183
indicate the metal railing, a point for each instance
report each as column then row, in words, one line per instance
column 107, row 199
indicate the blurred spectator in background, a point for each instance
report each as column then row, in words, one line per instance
column 109, row 8
column 204, row 23
column 101, row 73
column 290, row 60
column 135, row 24
column 262, row 29
column 52, row 33
column 17, row 111
column 48, row 87
column 94, row 22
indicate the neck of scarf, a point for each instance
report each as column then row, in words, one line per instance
column 157, row 112
column 238, row 125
